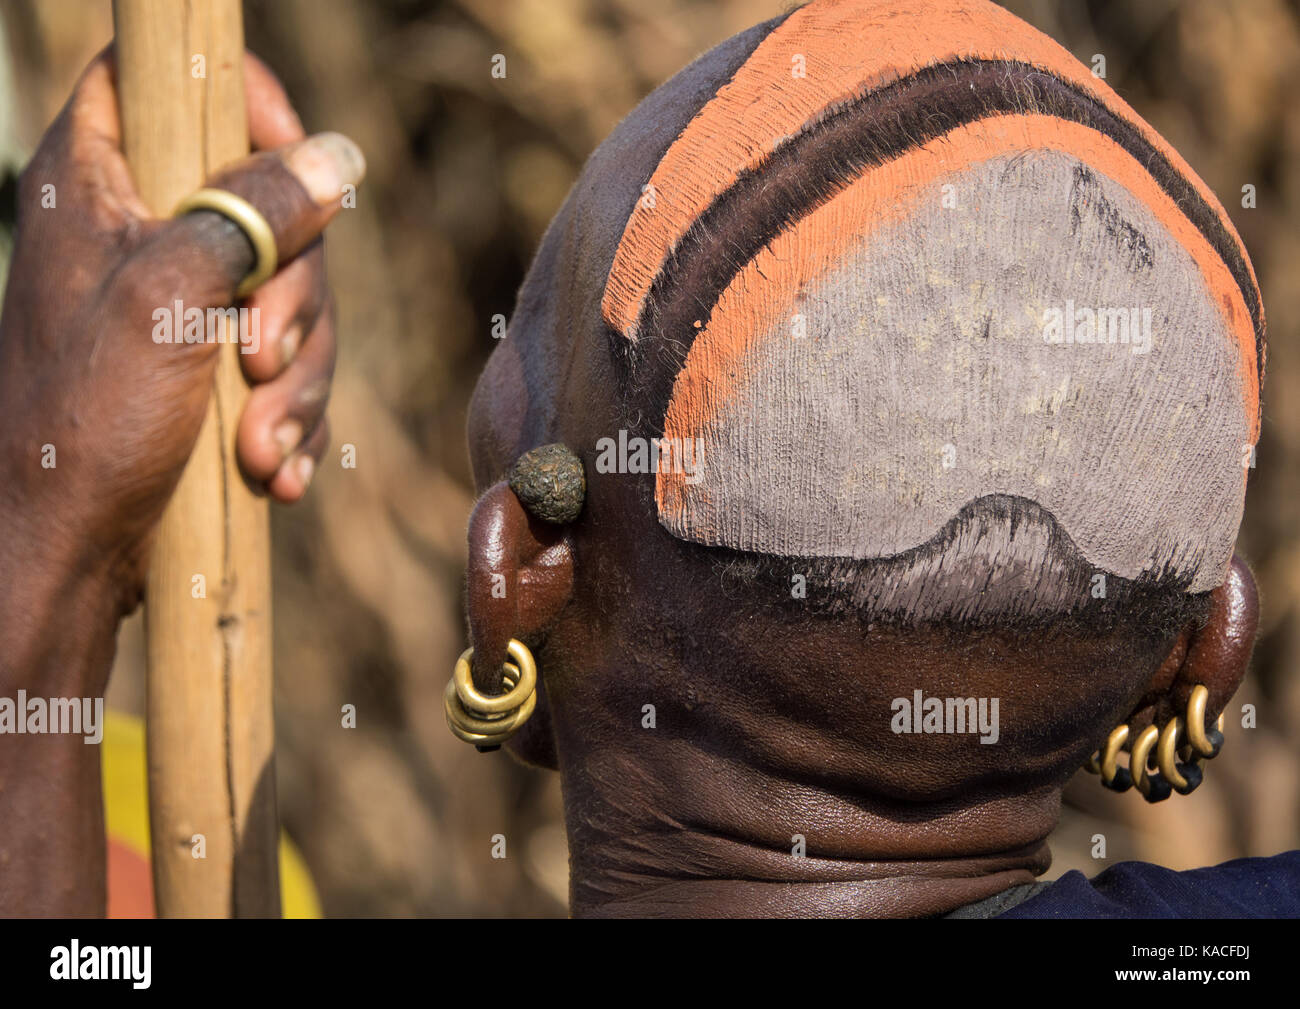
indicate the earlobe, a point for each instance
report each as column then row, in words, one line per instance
column 520, row 577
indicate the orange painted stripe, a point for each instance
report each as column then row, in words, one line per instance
column 767, row 288
column 849, row 48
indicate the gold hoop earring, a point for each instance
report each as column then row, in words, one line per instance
column 1206, row 744
column 485, row 721
column 1113, row 776
column 1153, row 787
column 1184, row 776
column 1181, row 737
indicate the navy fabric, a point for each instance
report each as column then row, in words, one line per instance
column 1244, row 888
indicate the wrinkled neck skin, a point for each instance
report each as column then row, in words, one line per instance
column 704, row 837
column 758, row 794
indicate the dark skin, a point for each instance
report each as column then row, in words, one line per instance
column 79, row 370
column 769, row 726
column 766, row 727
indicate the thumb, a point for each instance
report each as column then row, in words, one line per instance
column 202, row 257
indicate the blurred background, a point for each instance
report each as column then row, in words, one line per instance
column 395, row 816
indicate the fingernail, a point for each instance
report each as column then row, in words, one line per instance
column 289, row 344
column 325, row 163
column 287, row 436
column 304, row 466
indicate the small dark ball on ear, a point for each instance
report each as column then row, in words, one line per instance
column 550, row 483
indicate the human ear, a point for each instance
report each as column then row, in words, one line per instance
column 520, row 576
column 1216, row 655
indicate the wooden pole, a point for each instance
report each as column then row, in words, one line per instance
column 208, row 602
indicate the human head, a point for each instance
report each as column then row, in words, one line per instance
column 839, row 263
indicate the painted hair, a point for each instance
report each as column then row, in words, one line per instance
column 935, row 317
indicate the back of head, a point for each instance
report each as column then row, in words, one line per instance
column 888, row 313
column 912, row 297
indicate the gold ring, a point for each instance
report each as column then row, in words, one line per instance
column 501, row 704
column 1110, row 755
column 490, row 721
column 251, row 223
column 1137, row 761
column 1196, row 722
column 483, row 731
column 1166, row 755
column 478, row 721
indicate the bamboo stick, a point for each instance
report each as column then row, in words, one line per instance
column 209, row 703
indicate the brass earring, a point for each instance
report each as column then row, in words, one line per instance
column 485, row 721
column 1179, row 747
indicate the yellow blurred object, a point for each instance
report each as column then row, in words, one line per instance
column 126, row 814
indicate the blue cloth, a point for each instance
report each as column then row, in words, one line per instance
column 1244, row 888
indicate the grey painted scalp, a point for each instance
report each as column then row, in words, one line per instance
column 923, row 383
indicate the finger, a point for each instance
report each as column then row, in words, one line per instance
column 293, row 478
column 204, row 256
column 286, row 308
column 80, row 154
column 272, row 121
column 281, row 413
column 92, row 107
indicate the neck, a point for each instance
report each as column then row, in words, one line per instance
column 718, row 840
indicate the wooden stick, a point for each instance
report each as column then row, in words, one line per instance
column 209, row 704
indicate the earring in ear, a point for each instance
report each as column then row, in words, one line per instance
column 485, row 721
column 1183, row 738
